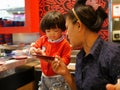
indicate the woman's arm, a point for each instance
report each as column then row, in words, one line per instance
column 60, row 68
column 70, row 80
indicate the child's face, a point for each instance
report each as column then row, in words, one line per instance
column 53, row 34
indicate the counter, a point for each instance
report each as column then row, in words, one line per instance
column 17, row 74
column 10, row 65
column 23, row 75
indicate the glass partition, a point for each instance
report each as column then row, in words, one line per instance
column 12, row 13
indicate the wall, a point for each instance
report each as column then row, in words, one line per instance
column 115, row 18
column 44, row 6
column 63, row 6
column 25, row 37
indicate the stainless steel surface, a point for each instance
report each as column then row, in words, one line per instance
column 13, row 63
column 10, row 47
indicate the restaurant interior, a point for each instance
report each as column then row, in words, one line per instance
column 20, row 26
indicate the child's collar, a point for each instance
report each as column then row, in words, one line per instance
column 56, row 41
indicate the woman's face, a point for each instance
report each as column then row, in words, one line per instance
column 53, row 34
column 73, row 33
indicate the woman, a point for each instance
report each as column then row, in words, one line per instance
column 98, row 62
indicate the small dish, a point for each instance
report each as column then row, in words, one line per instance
column 20, row 57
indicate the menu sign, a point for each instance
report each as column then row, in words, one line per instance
column 116, row 10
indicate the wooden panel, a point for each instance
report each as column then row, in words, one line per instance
column 29, row 86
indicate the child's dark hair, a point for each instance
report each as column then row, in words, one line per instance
column 92, row 19
column 51, row 20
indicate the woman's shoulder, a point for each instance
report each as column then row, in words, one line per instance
column 111, row 50
column 112, row 46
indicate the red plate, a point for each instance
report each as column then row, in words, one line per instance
column 46, row 58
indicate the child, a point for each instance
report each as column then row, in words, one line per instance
column 52, row 44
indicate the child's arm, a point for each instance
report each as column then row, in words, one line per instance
column 66, row 55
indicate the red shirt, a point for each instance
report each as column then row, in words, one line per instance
column 61, row 48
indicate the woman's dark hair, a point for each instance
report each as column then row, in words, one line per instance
column 81, row 2
column 92, row 19
column 51, row 20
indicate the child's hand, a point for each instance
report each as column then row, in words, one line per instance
column 40, row 52
column 34, row 51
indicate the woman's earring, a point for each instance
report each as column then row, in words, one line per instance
column 79, row 28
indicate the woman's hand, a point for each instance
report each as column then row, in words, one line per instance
column 59, row 66
column 110, row 87
column 113, row 87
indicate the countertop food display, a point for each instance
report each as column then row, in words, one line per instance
column 21, row 68
column 12, row 56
